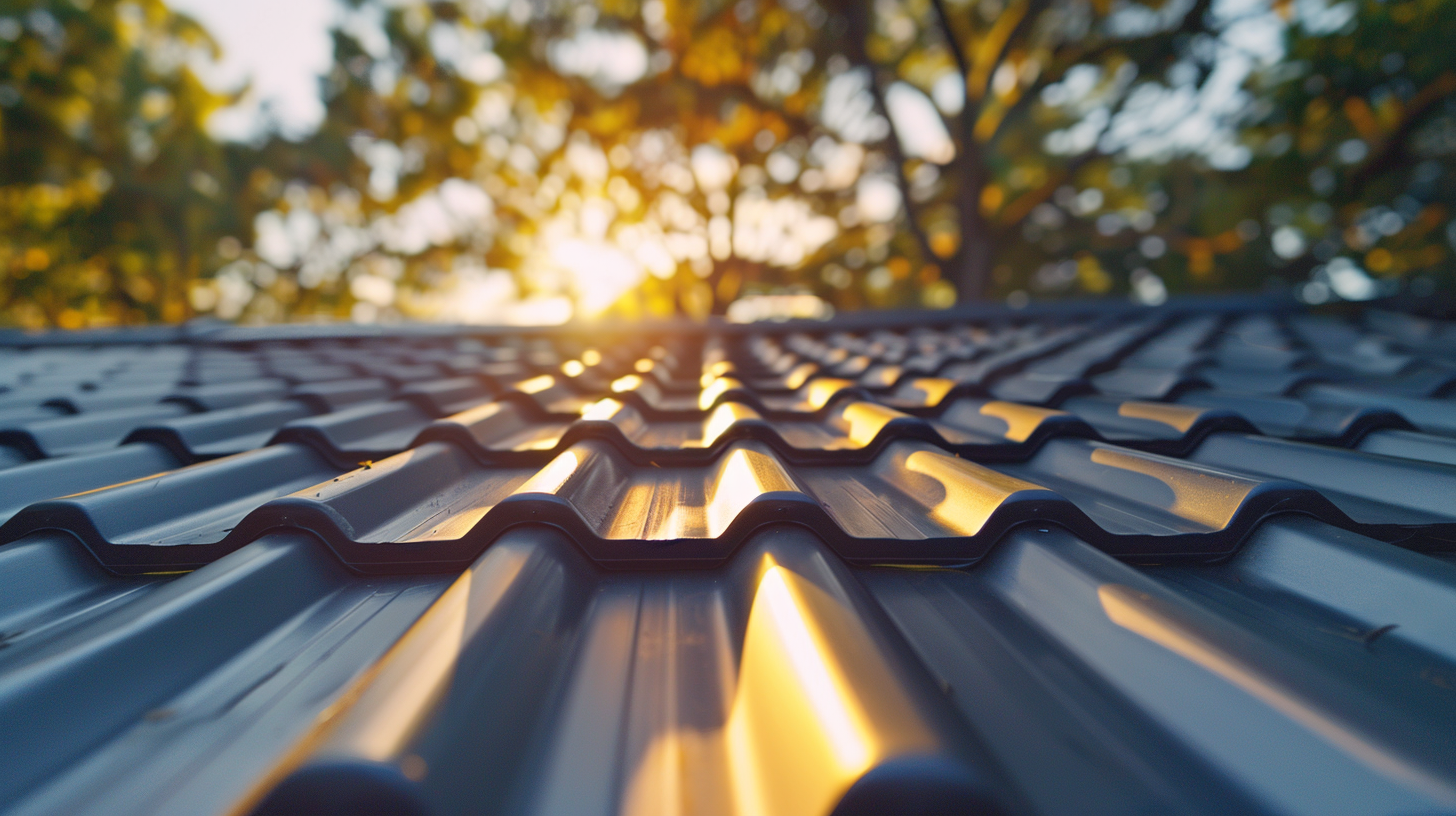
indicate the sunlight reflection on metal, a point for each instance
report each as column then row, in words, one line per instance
column 683, row 768
column 627, row 383
column 867, row 419
column 714, row 390
column 1206, row 497
column 800, row 375
column 883, row 377
column 723, row 418
column 1181, row 417
column 417, row 670
column 1021, row 420
column 811, row 708
column 385, row 706
column 972, row 492
column 718, row 369
column 638, row 515
column 797, row 735
column 1144, row 615
column 545, row 442
column 479, row 414
column 934, row 389
column 743, row 475
column 536, row 385
column 554, row 476
column 821, row 391
column 601, row 410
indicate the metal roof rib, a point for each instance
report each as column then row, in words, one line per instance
column 1083, row 559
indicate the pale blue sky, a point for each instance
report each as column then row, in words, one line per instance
column 282, row 45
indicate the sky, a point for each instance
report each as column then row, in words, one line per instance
column 281, row 45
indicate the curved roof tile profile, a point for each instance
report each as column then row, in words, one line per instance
column 1064, row 560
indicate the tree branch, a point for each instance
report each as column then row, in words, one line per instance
column 1160, row 43
column 858, row 34
column 971, row 261
column 897, row 158
column 1393, row 147
column 951, row 40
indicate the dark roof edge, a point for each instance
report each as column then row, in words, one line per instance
column 215, row 332
column 870, row 320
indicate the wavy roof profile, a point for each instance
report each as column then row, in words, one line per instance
column 1095, row 559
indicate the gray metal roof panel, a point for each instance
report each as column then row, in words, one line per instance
column 1200, row 561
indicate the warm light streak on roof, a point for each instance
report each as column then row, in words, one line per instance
column 867, row 419
column 536, row 385
column 1140, row 613
column 743, row 476
column 797, row 736
column 1180, row 417
column 1021, row 420
column 553, row 477
column 971, row 492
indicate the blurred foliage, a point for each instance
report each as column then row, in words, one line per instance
column 1355, row 140
column 520, row 161
column 112, row 195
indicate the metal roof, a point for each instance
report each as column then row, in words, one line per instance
column 1081, row 560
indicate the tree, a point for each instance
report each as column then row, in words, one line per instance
column 1355, row 136
column 596, row 130
column 516, row 161
column 111, row 192
column 703, row 179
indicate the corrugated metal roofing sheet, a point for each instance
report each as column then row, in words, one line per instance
column 1116, row 561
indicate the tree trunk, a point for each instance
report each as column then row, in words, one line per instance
column 969, row 268
column 972, row 272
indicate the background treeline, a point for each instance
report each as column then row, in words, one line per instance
column 527, row 160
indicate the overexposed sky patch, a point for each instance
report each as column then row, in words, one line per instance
column 282, row 46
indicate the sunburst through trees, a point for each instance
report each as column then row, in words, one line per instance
column 506, row 161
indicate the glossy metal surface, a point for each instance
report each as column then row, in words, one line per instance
column 1196, row 560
